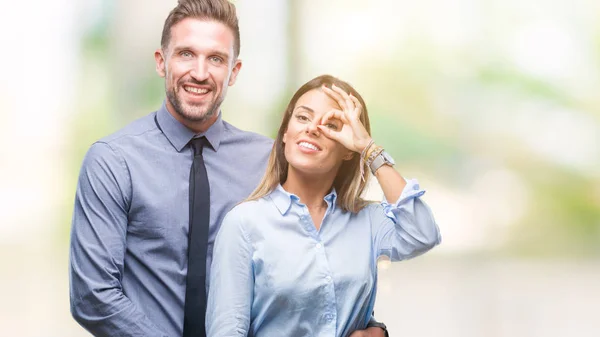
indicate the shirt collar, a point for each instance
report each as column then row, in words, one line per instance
column 331, row 199
column 179, row 135
column 283, row 199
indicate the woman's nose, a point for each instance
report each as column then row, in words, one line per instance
column 312, row 128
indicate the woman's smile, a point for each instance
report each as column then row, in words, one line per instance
column 309, row 147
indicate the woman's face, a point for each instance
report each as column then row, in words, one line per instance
column 306, row 148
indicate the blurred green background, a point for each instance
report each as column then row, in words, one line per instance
column 493, row 105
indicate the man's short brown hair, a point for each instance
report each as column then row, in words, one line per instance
column 221, row 11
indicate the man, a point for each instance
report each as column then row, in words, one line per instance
column 142, row 195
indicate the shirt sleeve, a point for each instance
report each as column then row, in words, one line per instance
column 406, row 228
column 231, row 289
column 98, row 247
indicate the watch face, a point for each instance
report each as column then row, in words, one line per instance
column 388, row 158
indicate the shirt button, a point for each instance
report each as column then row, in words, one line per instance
column 318, row 245
column 328, row 279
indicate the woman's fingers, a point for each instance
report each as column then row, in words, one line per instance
column 357, row 104
column 334, row 114
column 336, row 135
column 336, row 97
column 344, row 95
column 350, row 104
column 329, row 133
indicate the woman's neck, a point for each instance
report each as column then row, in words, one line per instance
column 310, row 189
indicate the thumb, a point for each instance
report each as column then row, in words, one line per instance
column 328, row 132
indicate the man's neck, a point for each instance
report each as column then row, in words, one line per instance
column 197, row 127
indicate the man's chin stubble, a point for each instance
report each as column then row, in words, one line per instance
column 191, row 117
column 196, row 118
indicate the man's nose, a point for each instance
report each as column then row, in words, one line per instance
column 200, row 71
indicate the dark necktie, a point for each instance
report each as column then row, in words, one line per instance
column 195, row 293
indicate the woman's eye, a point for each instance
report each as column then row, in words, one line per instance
column 302, row 118
column 332, row 126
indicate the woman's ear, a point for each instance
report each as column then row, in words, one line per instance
column 349, row 155
column 284, row 138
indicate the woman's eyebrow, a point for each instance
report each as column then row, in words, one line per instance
column 305, row 107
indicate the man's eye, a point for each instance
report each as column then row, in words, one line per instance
column 186, row 54
column 216, row 59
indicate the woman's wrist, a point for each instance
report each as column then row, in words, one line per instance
column 368, row 145
column 373, row 152
column 370, row 151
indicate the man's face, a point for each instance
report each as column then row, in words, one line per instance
column 198, row 66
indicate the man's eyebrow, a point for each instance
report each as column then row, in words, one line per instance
column 219, row 53
column 180, row 48
column 305, row 107
column 224, row 55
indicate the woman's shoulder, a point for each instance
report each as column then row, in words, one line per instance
column 247, row 210
column 370, row 209
column 370, row 206
column 248, row 217
column 247, row 207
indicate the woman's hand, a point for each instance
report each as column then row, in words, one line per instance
column 353, row 134
column 369, row 332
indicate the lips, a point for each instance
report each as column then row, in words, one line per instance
column 194, row 90
column 309, row 145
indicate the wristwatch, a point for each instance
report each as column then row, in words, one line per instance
column 382, row 159
column 373, row 324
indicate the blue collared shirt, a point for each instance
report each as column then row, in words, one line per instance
column 275, row 274
column 129, row 238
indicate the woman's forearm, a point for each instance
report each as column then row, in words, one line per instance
column 391, row 182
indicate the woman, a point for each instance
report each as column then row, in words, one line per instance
column 298, row 258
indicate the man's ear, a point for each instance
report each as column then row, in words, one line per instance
column 160, row 62
column 237, row 65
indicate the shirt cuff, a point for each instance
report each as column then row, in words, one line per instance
column 411, row 190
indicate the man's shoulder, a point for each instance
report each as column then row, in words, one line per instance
column 109, row 149
column 134, row 129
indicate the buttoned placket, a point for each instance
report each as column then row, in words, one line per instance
column 329, row 316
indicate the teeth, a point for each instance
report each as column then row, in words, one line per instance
column 196, row 90
column 308, row 145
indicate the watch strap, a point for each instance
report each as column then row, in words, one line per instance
column 379, row 161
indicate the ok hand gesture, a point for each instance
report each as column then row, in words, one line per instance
column 353, row 134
